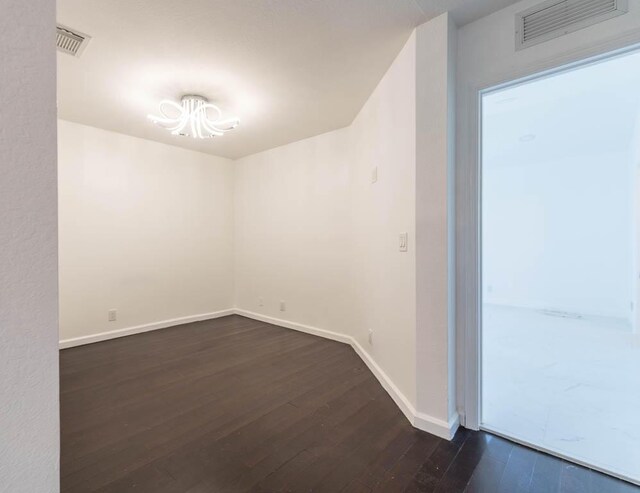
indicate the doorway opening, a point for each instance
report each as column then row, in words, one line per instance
column 560, row 344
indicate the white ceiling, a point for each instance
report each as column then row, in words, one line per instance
column 591, row 111
column 289, row 69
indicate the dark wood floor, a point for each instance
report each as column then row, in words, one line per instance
column 235, row 405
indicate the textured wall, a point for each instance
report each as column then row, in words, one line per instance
column 29, row 425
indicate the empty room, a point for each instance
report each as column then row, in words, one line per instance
column 320, row 246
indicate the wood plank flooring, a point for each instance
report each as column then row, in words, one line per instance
column 234, row 405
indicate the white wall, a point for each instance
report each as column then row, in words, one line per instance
column 311, row 228
column 435, row 218
column 487, row 57
column 384, row 136
column 29, row 423
column 557, row 208
column 292, row 232
column 561, row 243
column 634, row 181
column 145, row 228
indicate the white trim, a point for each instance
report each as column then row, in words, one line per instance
column 436, row 426
column 327, row 334
column 138, row 329
column 398, row 397
column 421, row 421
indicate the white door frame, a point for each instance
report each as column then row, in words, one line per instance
column 469, row 216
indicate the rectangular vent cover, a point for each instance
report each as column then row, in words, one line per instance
column 70, row 41
column 556, row 18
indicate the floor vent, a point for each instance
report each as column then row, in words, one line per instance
column 70, row 41
column 556, row 18
column 560, row 314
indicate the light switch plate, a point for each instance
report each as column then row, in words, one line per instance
column 374, row 174
column 404, row 242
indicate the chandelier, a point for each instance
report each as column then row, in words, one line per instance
column 194, row 117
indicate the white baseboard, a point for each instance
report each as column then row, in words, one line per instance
column 327, row 334
column 398, row 397
column 437, row 427
column 421, row 421
column 138, row 329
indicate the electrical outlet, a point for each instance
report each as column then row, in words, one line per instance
column 370, row 336
column 113, row 315
column 260, row 301
column 374, row 174
column 283, row 306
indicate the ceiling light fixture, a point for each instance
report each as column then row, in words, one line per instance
column 193, row 118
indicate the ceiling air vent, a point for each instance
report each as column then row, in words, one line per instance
column 70, row 41
column 555, row 18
